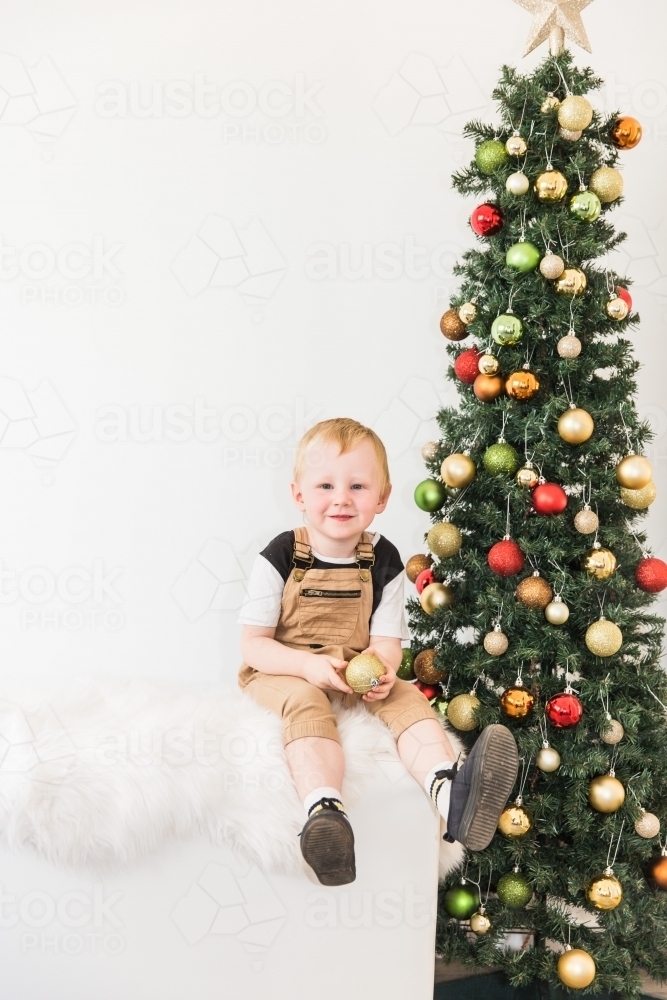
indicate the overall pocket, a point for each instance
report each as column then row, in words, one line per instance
column 328, row 615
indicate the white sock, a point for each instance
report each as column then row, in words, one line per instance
column 321, row 793
column 439, row 789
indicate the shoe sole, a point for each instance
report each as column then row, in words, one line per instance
column 495, row 766
column 327, row 844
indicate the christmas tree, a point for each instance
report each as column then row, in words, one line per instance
column 533, row 596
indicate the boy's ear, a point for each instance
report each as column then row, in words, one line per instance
column 382, row 501
column 296, row 496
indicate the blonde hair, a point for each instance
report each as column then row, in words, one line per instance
column 346, row 433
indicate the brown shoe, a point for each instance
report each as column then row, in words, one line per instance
column 327, row 844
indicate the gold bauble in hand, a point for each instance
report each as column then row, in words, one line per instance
column 576, row 968
column 634, row 472
column 606, row 793
column 639, row 499
column 604, row 891
column 458, row 470
column 600, row 563
column 551, row 186
column 363, row 672
column 575, row 425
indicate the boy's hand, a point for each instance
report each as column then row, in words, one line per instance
column 386, row 682
column 323, row 671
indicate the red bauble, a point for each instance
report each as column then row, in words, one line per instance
column 651, row 575
column 487, row 219
column 465, row 366
column 506, row 558
column 549, row 498
column 564, row 710
column 427, row 690
column 423, row 579
column 624, row 294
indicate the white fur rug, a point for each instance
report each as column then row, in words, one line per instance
column 95, row 775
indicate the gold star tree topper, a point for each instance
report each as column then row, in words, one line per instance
column 550, row 14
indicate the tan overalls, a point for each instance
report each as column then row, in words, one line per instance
column 328, row 611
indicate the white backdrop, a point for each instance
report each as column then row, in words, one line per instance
column 221, row 223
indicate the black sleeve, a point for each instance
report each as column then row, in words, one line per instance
column 388, row 564
column 279, row 553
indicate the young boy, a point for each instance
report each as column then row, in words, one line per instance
column 317, row 596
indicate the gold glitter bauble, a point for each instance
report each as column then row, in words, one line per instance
column 480, row 924
column 452, row 327
column 606, row 793
column 604, row 892
column 576, row 968
column 549, row 103
column 617, row 308
column 647, row 826
column 557, row 611
column 522, row 385
column 517, row 702
column 517, row 183
column 571, row 282
column 496, row 643
column 416, row 564
column 488, row 364
column 575, row 113
column 586, row 521
column 634, row 472
column 363, row 671
column 569, row 346
column 548, row 760
column 467, row 312
column 600, row 563
column 534, row 592
column 426, row 670
column 603, row 638
column 527, row 477
column 462, row 712
column 570, row 134
column 575, row 425
column 516, row 146
column 551, row 186
column 606, row 183
column 434, row 596
column 551, row 266
column 458, row 470
column 429, row 451
column 639, row 499
column 444, row 540
column 614, row 732
column 515, row 821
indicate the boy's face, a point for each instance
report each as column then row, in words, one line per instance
column 340, row 493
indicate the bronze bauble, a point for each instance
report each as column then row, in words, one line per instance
column 488, row 364
column 458, row 470
column 575, row 425
column 534, row 592
column 434, row 596
column 452, row 326
column 576, row 968
column 639, row 499
column 426, row 670
column 487, row 388
column 551, row 186
column 606, row 793
column 444, row 540
column 522, row 385
column 626, row 132
column 634, row 472
column 416, row 564
column 517, row 702
column 604, row 891
column 571, row 282
column 656, row 871
column 600, row 563
column 462, row 711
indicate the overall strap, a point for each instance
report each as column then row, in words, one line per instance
column 303, row 558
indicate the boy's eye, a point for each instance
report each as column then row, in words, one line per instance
column 327, row 485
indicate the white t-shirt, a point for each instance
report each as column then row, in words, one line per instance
column 273, row 565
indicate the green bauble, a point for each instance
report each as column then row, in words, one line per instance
column 507, row 329
column 439, row 704
column 406, row 670
column 430, row 494
column 523, row 257
column 501, row 459
column 490, row 156
column 461, row 901
column 585, row 205
column 514, row 890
